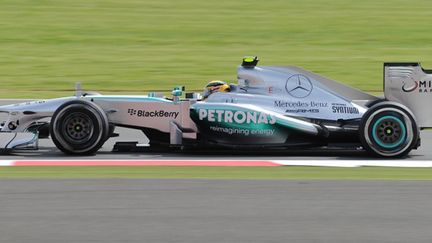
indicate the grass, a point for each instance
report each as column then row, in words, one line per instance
column 264, row 173
column 135, row 46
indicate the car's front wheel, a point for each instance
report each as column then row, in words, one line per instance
column 388, row 129
column 79, row 127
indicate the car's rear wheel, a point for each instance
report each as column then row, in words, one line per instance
column 388, row 129
column 79, row 127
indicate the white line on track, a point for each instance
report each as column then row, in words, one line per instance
column 357, row 163
column 6, row 163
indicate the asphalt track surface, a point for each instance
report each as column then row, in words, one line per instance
column 196, row 211
column 47, row 150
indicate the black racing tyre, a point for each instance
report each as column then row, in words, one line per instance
column 111, row 130
column 44, row 131
column 388, row 129
column 79, row 127
column 374, row 102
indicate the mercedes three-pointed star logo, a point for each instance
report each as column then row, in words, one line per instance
column 298, row 86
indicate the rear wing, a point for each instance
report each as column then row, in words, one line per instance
column 411, row 85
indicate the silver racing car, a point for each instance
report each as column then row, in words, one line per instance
column 279, row 107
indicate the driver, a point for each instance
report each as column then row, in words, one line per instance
column 215, row 86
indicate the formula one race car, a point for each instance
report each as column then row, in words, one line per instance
column 271, row 107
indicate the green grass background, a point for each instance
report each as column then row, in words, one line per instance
column 133, row 46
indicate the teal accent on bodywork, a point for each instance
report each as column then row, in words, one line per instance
column 243, row 133
column 177, row 92
column 286, row 124
column 130, row 98
column 279, row 121
column 234, row 124
column 395, row 144
column 228, row 124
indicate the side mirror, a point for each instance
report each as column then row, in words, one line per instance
column 177, row 92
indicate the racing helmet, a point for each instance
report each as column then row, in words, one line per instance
column 215, row 86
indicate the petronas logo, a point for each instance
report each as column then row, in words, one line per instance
column 239, row 117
